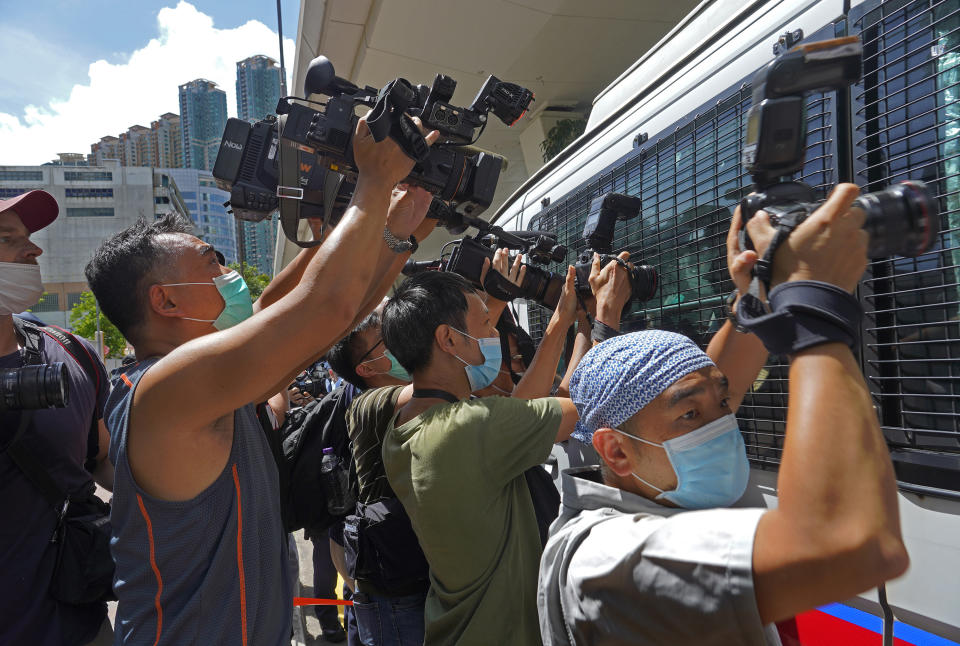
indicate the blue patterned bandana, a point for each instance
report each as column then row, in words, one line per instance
column 618, row 377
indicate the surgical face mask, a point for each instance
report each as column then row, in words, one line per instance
column 20, row 287
column 396, row 370
column 483, row 375
column 710, row 463
column 237, row 305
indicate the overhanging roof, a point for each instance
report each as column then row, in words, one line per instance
column 565, row 51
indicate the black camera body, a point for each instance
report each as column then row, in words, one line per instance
column 598, row 234
column 289, row 158
column 902, row 220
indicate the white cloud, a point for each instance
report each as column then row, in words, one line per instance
column 117, row 96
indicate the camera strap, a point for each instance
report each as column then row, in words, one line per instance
column 802, row 314
column 500, row 287
column 291, row 194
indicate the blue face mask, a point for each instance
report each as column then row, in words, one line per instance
column 236, row 298
column 483, row 375
column 710, row 463
column 396, row 370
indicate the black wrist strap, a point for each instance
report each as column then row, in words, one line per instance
column 433, row 393
column 800, row 315
column 601, row 331
column 498, row 286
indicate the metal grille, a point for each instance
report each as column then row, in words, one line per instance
column 907, row 125
column 690, row 180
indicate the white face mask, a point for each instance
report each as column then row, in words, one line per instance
column 20, row 287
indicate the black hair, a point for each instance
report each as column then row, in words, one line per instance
column 344, row 356
column 420, row 305
column 120, row 267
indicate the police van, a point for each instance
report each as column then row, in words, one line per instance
column 670, row 131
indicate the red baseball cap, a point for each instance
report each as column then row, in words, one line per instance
column 36, row 209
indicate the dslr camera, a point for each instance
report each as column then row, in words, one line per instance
column 598, row 234
column 901, row 220
column 302, row 160
column 33, row 387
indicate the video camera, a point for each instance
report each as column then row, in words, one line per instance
column 302, row 161
column 598, row 234
column 901, row 220
column 467, row 258
column 541, row 285
column 32, row 387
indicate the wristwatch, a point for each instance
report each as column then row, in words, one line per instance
column 728, row 304
column 397, row 245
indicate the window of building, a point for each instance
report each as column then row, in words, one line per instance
column 89, row 192
column 12, row 192
column 189, row 195
column 89, row 211
column 87, row 176
column 21, row 175
column 72, row 299
column 49, row 302
column 161, row 200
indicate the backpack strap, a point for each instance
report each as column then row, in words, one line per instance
column 79, row 353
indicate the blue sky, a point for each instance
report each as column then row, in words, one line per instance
column 76, row 70
column 71, row 34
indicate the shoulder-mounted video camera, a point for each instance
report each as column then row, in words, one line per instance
column 901, row 220
column 467, row 258
column 302, row 160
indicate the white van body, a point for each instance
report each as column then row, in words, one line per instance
column 669, row 129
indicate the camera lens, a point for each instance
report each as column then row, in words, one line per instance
column 902, row 220
column 643, row 280
column 32, row 387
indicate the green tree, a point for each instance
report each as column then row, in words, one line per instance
column 561, row 135
column 83, row 320
column 255, row 280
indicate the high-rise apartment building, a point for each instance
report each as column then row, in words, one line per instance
column 136, row 147
column 258, row 87
column 258, row 90
column 107, row 148
column 160, row 145
column 167, row 141
column 203, row 115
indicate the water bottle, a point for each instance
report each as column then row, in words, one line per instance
column 334, row 479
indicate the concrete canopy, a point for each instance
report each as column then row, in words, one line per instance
column 564, row 51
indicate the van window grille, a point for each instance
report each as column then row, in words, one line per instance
column 690, row 180
column 907, row 126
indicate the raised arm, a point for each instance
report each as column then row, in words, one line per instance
column 215, row 374
column 836, row 530
column 739, row 356
column 538, row 379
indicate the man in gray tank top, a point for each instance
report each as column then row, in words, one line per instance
column 197, row 538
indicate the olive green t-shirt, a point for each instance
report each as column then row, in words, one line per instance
column 458, row 470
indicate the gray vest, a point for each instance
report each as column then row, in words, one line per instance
column 210, row 570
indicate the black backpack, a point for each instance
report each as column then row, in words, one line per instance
column 297, row 447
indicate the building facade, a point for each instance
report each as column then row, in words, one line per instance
column 95, row 202
column 136, row 147
column 204, row 203
column 203, row 116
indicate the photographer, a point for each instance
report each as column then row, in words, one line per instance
column 457, row 464
column 195, row 506
column 644, row 552
column 61, row 441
